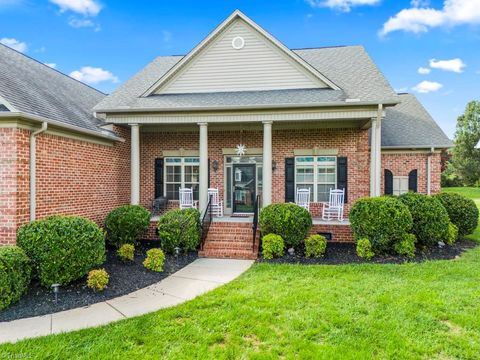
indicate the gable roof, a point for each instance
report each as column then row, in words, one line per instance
column 349, row 66
column 236, row 15
column 30, row 87
column 409, row 125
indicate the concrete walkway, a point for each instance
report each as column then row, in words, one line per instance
column 200, row 276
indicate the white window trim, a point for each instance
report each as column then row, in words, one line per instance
column 315, row 163
column 182, row 165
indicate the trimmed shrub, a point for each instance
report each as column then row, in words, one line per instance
column 154, row 260
column 15, row 274
column 406, row 246
column 291, row 221
column 179, row 228
column 272, row 246
column 126, row 224
column 98, row 279
column 126, row 252
column 383, row 220
column 364, row 249
column 452, row 234
column 430, row 219
column 62, row 248
column 461, row 210
column 315, row 246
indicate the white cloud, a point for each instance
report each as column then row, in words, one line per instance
column 342, row 5
column 79, row 23
column 15, row 44
column 423, row 71
column 84, row 7
column 427, row 86
column 93, row 75
column 52, row 65
column 455, row 65
column 6, row 3
column 421, row 19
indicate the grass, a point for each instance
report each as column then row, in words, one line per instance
column 413, row 311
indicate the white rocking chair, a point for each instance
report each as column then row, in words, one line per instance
column 303, row 198
column 216, row 203
column 334, row 207
column 186, row 199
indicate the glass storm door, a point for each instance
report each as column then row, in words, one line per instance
column 243, row 188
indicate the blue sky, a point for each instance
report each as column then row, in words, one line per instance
column 106, row 42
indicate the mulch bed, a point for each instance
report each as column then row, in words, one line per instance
column 344, row 253
column 124, row 278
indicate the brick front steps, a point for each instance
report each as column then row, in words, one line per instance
column 232, row 240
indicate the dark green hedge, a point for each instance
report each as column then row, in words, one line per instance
column 430, row 219
column 179, row 228
column 15, row 274
column 383, row 220
column 62, row 248
column 461, row 210
column 126, row 224
column 290, row 221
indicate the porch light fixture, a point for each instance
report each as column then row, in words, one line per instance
column 215, row 165
column 274, row 165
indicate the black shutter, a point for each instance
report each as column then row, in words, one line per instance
column 342, row 175
column 158, row 177
column 290, row 180
column 388, row 182
column 412, row 180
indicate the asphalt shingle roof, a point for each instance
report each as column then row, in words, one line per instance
column 349, row 67
column 408, row 124
column 34, row 88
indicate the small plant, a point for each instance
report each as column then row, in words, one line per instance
column 364, row 249
column 98, row 279
column 461, row 210
column 406, row 246
column 452, row 234
column 126, row 252
column 15, row 274
column 315, row 246
column 126, row 224
column 154, row 260
column 272, row 246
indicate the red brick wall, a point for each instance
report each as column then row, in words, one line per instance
column 351, row 143
column 400, row 164
column 73, row 177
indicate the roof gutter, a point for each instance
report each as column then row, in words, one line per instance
column 386, row 103
column 33, row 170
column 41, row 119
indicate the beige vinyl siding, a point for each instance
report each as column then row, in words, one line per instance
column 259, row 65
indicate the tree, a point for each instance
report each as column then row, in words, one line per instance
column 466, row 158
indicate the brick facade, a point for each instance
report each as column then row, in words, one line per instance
column 74, row 177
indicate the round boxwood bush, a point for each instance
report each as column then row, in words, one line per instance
column 315, row 246
column 155, row 260
column 15, row 274
column 383, row 220
column 406, row 246
column 98, row 279
column 179, row 228
column 461, row 210
column 62, row 248
column 364, row 249
column 272, row 246
column 430, row 219
column 290, row 221
column 126, row 224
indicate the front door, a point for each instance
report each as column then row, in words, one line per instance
column 244, row 188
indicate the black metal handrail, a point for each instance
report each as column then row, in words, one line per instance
column 255, row 221
column 206, row 221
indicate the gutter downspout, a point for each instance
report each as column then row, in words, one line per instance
column 429, row 171
column 33, row 168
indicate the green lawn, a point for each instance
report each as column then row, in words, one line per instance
column 414, row 311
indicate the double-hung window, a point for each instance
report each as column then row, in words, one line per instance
column 400, row 185
column 317, row 173
column 181, row 172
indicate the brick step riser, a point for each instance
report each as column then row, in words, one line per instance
column 245, row 255
column 227, row 246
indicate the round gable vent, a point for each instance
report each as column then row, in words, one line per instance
column 238, row 42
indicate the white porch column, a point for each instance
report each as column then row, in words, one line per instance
column 378, row 169
column 373, row 157
column 203, row 150
column 267, row 163
column 135, row 164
